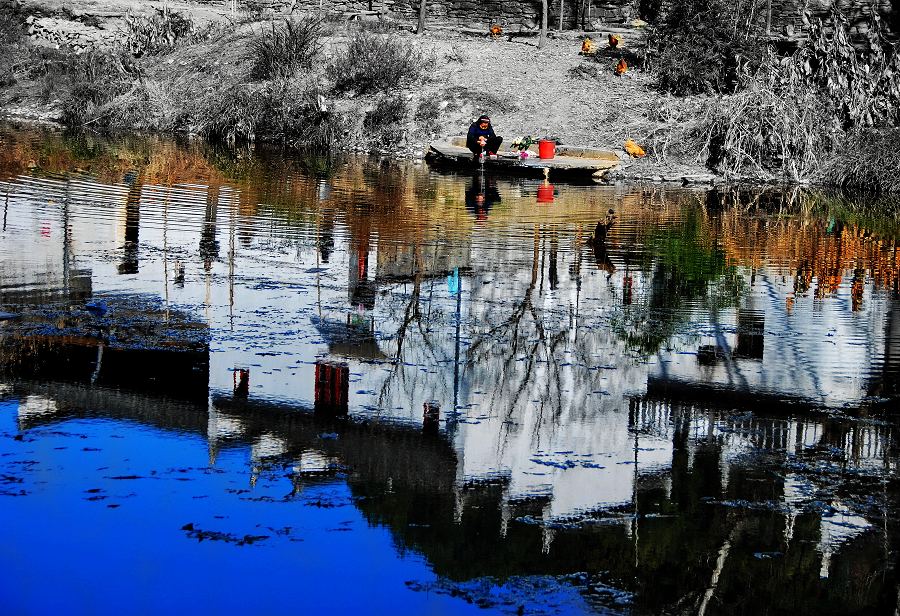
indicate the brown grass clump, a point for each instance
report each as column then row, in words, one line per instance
column 374, row 63
column 868, row 159
column 799, row 116
column 289, row 46
column 385, row 120
column 98, row 78
column 11, row 33
column 767, row 130
column 157, row 31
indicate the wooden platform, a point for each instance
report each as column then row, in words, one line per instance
column 569, row 162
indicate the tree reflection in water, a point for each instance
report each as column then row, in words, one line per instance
column 640, row 419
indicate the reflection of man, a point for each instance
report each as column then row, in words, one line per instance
column 604, row 263
column 481, row 195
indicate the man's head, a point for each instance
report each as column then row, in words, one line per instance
column 484, row 121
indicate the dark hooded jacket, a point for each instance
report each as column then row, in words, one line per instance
column 476, row 131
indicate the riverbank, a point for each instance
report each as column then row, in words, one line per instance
column 196, row 69
column 553, row 91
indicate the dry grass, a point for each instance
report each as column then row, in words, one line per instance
column 766, row 131
column 385, row 121
column 98, row 79
column 866, row 159
column 288, row 47
column 157, row 31
column 11, row 33
column 374, row 63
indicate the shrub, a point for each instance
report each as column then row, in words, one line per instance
column 384, row 122
column 298, row 114
column 867, row 159
column 97, row 77
column 289, row 46
column 374, row 63
column 11, row 34
column 862, row 81
column 429, row 111
column 156, row 32
column 705, row 46
column 766, row 129
column 805, row 116
column 284, row 111
column 148, row 105
column 10, row 24
column 233, row 114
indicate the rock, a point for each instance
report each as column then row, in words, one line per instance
column 700, row 178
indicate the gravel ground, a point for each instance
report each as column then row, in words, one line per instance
column 553, row 91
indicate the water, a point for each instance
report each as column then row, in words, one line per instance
column 239, row 380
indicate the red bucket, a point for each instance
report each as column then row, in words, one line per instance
column 546, row 148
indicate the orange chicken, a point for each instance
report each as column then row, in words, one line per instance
column 496, row 30
column 614, row 40
column 633, row 149
column 587, row 45
column 621, row 67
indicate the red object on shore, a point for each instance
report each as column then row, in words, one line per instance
column 546, row 148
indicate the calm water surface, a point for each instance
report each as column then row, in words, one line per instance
column 238, row 381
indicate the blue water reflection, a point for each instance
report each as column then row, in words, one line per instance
column 100, row 531
column 239, row 381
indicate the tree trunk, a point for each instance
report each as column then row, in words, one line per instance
column 543, row 38
column 561, row 7
column 421, row 27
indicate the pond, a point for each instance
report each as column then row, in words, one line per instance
column 240, row 380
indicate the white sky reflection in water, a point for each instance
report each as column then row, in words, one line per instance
column 578, row 389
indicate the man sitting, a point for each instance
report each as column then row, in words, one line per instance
column 481, row 138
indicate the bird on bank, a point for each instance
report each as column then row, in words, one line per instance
column 633, row 149
column 614, row 40
column 621, row 67
column 496, row 31
column 587, row 45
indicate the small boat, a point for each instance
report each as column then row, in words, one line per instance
column 568, row 163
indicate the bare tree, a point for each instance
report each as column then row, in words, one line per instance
column 420, row 29
column 544, row 11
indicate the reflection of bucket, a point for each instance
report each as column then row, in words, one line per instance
column 545, row 193
column 546, row 148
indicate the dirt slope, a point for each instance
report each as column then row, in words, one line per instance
column 553, row 91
